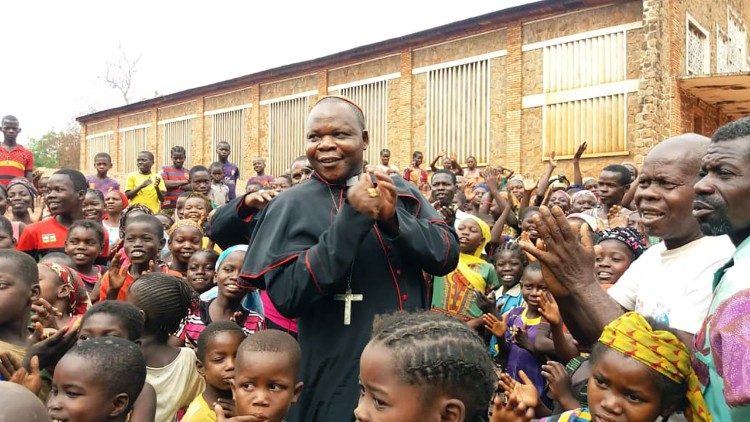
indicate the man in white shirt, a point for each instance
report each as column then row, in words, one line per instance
column 671, row 282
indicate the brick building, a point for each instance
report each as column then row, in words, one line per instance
column 508, row 87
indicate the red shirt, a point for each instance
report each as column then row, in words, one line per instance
column 39, row 239
column 14, row 163
column 122, row 294
column 171, row 174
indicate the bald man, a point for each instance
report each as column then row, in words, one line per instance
column 19, row 404
column 671, row 281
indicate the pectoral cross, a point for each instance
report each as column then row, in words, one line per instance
column 348, row 298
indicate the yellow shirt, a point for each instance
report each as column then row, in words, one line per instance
column 199, row 411
column 146, row 196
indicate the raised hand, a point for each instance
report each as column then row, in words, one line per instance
column 565, row 257
column 31, row 380
column 551, row 160
column 387, row 194
column 498, row 327
column 579, row 152
column 364, row 197
column 491, row 176
column 261, row 199
column 50, row 350
column 509, row 408
column 8, row 365
column 524, row 390
column 549, row 309
column 116, row 275
column 521, row 338
column 558, row 381
column 44, row 313
column 157, row 181
column 38, row 211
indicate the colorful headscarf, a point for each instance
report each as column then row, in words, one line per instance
column 78, row 299
column 123, row 197
column 464, row 273
column 228, row 251
column 486, row 232
column 631, row 237
column 661, row 351
column 186, row 222
column 23, row 182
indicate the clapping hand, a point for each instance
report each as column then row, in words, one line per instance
column 558, row 380
column 496, row 326
column 525, row 390
column 549, row 309
column 579, row 152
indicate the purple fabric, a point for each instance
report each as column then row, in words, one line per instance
column 231, row 174
column 102, row 185
column 730, row 346
column 520, row 358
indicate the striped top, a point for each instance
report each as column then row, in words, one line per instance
column 14, row 162
column 198, row 319
column 171, row 174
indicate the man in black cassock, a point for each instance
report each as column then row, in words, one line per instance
column 336, row 251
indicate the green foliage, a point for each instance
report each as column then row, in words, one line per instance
column 56, row 149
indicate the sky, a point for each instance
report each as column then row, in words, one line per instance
column 56, row 53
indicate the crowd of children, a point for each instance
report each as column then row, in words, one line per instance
column 115, row 305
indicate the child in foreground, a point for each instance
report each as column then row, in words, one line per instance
column 97, row 380
column 266, row 377
column 84, row 245
column 217, row 351
column 165, row 300
column 639, row 374
column 424, row 367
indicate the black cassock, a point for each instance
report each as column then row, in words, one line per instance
column 308, row 245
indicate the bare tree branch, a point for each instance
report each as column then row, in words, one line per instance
column 119, row 75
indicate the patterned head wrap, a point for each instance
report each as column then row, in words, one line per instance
column 25, row 183
column 583, row 192
column 482, row 226
column 185, row 223
column 78, row 300
column 661, row 351
column 631, row 237
column 123, row 197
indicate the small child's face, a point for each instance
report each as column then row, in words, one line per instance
column 217, row 174
column 259, row 166
column 217, row 366
column 142, row 243
column 51, row 286
column 200, row 273
column 561, row 199
column 195, row 209
column 43, row 189
column 470, row 236
column 223, row 150
column 15, row 294
column 201, row 182
column 6, row 240
column 532, row 287
column 184, row 242
column 78, row 394
column 384, row 396
column 93, row 207
column 583, row 203
column 178, row 159
column 83, row 246
column 620, row 389
column 227, row 275
column 265, row 385
column 166, row 222
column 102, row 325
column 508, row 267
column 516, row 189
column 180, row 206
column 144, row 162
column 613, row 258
column 103, row 165
column 528, row 226
column 281, row 184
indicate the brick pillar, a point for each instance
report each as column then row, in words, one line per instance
column 322, row 83
column 513, row 95
column 83, row 156
column 199, row 134
column 402, row 145
column 253, row 148
column 152, row 143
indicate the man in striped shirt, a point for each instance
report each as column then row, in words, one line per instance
column 15, row 160
column 175, row 178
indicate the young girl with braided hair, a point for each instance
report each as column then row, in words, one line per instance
column 640, row 373
column 165, row 300
column 424, row 366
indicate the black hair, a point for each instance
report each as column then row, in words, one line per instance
column 739, row 128
column 415, row 153
column 215, row 165
column 514, row 248
column 9, row 118
column 149, row 153
column 6, row 225
column 23, row 264
column 96, row 192
column 444, row 171
column 384, row 150
column 132, row 208
column 358, row 114
column 150, row 220
column 76, row 177
column 94, row 226
column 210, row 252
column 201, row 196
column 103, row 155
column 441, row 355
column 533, row 266
column 224, row 142
column 526, row 211
column 624, row 174
column 58, row 258
column 118, row 363
column 177, row 149
column 130, row 317
column 274, row 341
column 165, row 299
column 196, row 169
column 672, row 393
column 211, row 331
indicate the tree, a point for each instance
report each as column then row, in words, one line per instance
column 119, row 75
column 57, row 149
